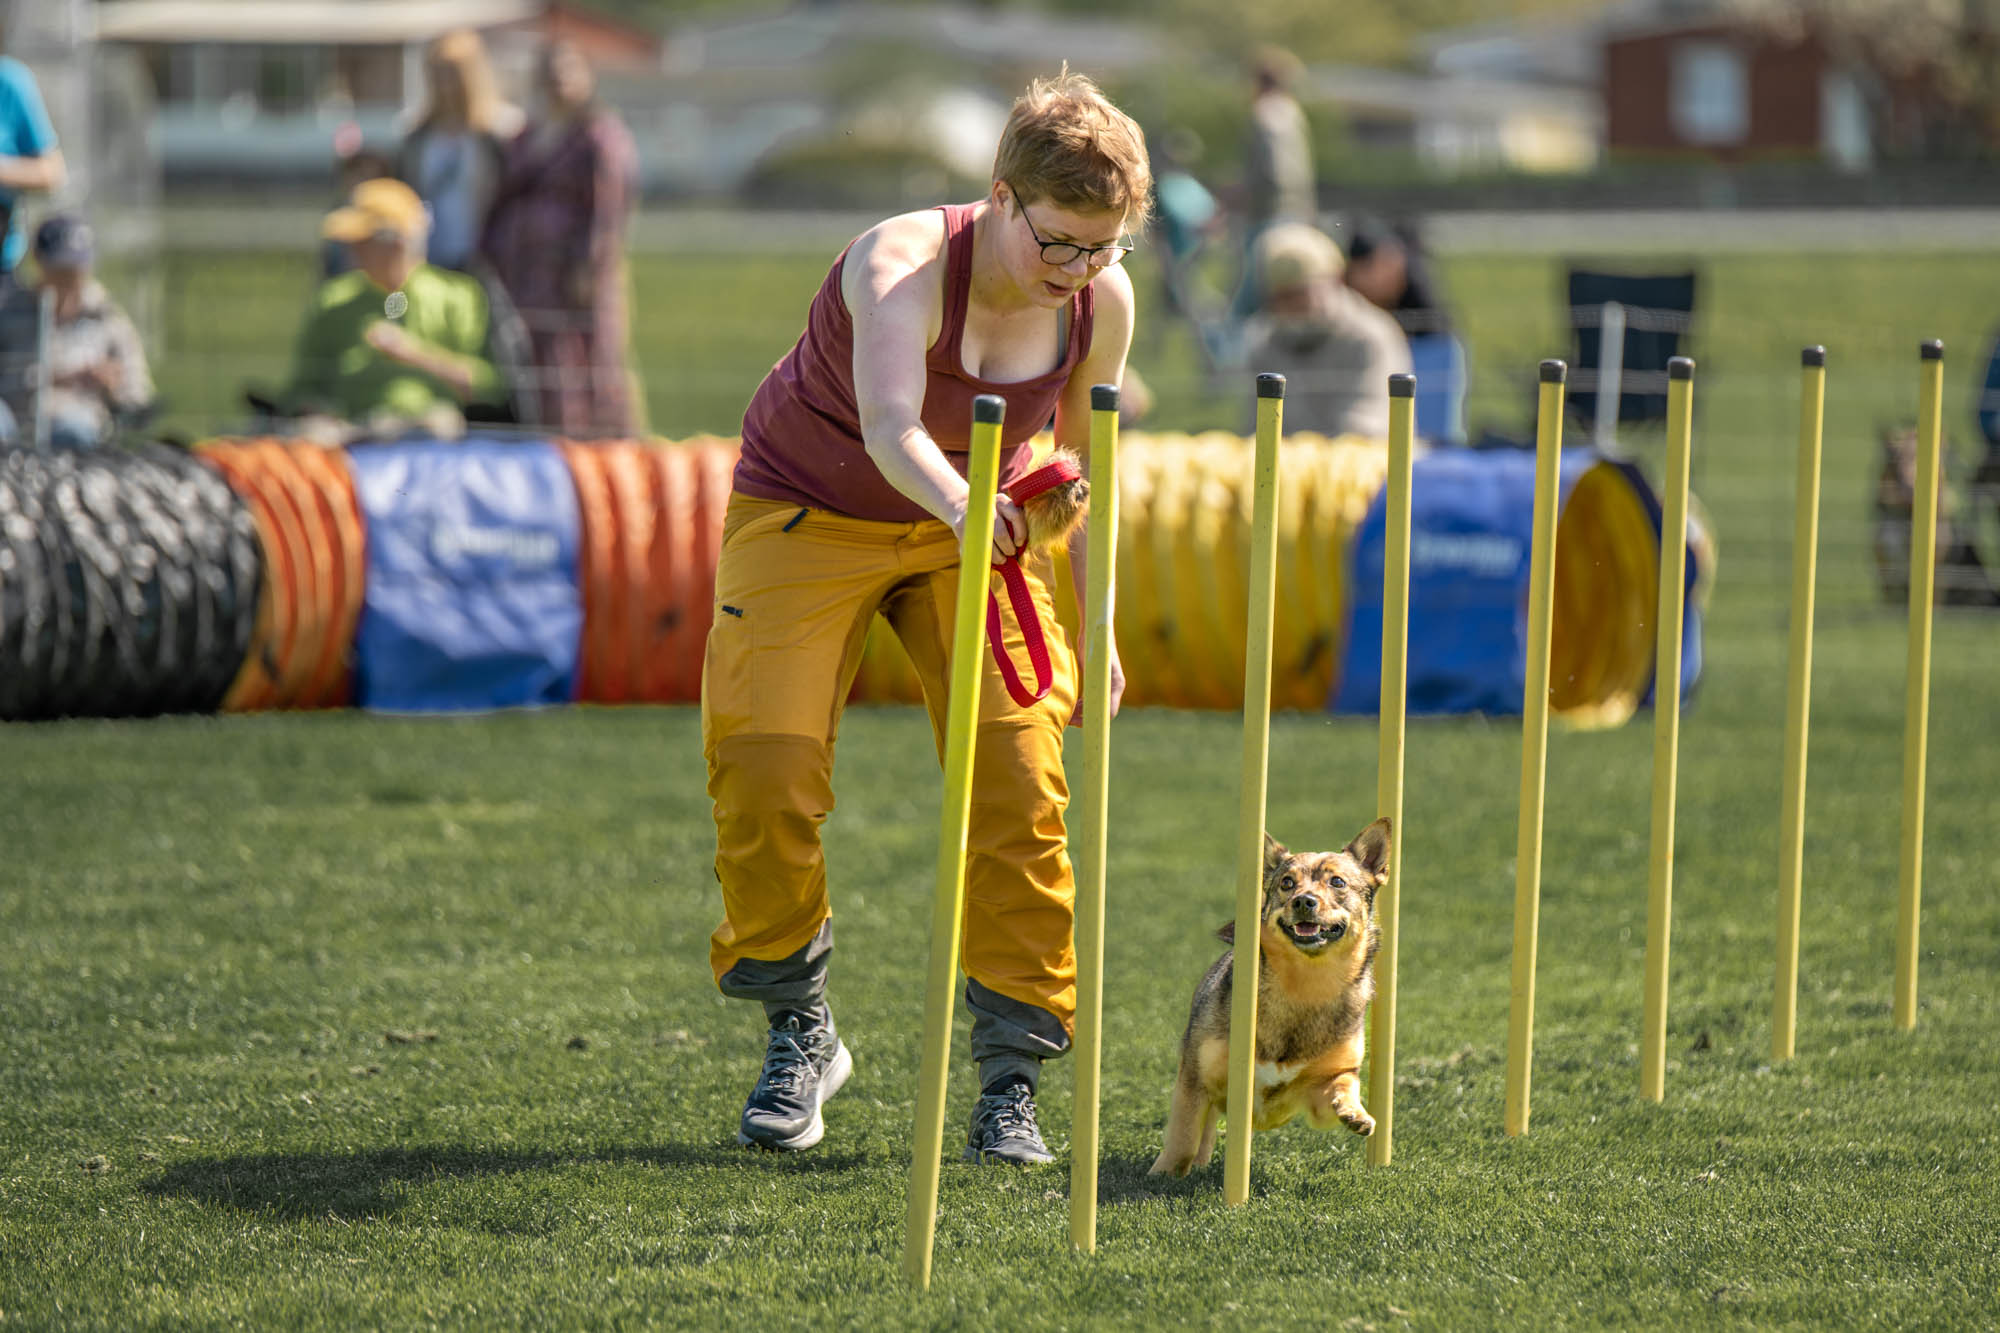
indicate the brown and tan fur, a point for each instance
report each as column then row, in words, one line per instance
column 1311, row 1002
column 1054, row 514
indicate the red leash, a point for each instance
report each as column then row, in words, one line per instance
column 1045, row 478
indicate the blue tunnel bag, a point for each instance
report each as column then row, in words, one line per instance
column 473, row 600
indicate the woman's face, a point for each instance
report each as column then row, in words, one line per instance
column 1381, row 276
column 567, row 80
column 447, row 89
column 1028, row 226
column 67, row 278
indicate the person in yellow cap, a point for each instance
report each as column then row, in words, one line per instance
column 1334, row 347
column 395, row 342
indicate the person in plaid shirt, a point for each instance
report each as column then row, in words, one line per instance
column 92, row 369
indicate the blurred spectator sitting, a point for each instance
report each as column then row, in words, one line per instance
column 92, row 369
column 556, row 239
column 1387, row 266
column 30, row 161
column 396, row 343
column 1335, row 350
column 355, row 167
column 455, row 155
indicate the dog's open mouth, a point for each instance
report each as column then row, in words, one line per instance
column 1313, row 935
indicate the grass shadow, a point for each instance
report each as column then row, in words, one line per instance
column 376, row 1184
column 1125, row 1179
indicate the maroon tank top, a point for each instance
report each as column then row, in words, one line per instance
column 802, row 432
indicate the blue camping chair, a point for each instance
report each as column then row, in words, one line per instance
column 1655, row 312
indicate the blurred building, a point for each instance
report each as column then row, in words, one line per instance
column 1734, row 85
column 1732, row 80
column 260, row 91
column 849, row 102
column 1460, row 124
column 827, row 102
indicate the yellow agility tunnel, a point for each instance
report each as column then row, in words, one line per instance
column 1183, row 567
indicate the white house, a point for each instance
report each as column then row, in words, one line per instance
column 260, row 91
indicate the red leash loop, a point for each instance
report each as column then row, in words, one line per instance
column 1044, row 478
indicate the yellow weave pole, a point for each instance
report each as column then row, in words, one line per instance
column 1389, row 759
column 1798, row 699
column 1534, row 745
column 1092, row 805
column 1256, row 764
column 948, row 908
column 1666, row 724
column 1917, row 688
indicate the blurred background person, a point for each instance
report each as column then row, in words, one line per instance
column 1388, row 266
column 455, row 154
column 1278, row 184
column 556, row 239
column 30, row 161
column 93, row 364
column 363, row 164
column 1335, row 349
column 397, row 342
column 1185, row 215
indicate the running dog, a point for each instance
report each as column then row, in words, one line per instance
column 1316, row 946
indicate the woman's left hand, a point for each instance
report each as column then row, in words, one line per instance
column 1117, row 688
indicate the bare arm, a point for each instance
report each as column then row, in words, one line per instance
column 470, row 378
column 891, row 282
column 45, row 173
column 1110, row 341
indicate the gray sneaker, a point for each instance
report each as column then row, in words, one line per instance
column 805, row 1063
column 1003, row 1129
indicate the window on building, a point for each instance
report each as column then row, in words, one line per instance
column 1843, row 122
column 1711, row 94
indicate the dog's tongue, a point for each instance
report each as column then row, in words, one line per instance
column 1307, row 928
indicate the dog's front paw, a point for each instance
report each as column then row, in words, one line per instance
column 1358, row 1120
column 1167, row 1164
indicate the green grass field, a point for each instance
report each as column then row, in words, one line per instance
column 354, row 1021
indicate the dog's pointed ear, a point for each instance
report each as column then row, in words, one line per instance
column 1370, row 850
column 1228, row 932
column 1274, row 853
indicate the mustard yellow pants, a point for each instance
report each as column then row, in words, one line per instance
column 795, row 594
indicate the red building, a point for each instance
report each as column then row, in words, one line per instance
column 1734, row 88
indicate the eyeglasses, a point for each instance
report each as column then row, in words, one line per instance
column 1057, row 254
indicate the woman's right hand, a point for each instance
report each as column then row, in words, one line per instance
column 1010, row 528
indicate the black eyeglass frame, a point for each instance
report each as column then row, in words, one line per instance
column 1117, row 249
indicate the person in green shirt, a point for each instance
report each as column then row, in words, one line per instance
column 395, row 343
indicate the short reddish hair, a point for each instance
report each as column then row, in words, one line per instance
column 1066, row 142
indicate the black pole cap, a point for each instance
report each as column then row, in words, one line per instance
column 1104, row 398
column 1813, row 356
column 1270, row 385
column 1933, row 350
column 1553, row 371
column 989, row 409
column 1680, row 367
column 1402, row 385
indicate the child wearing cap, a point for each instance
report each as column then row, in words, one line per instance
column 396, row 341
